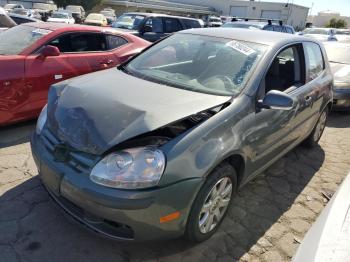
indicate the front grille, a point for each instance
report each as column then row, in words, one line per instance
column 79, row 161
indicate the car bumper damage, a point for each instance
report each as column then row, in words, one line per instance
column 134, row 215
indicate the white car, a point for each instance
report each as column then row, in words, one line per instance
column 214, row 22
column 329, row 237
column 62, row 17
column 5, row 20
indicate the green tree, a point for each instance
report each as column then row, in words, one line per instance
column 87, row 4
column 337, row 23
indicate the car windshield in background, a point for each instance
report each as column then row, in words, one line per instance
column 215, row 20
column 9, row 6
column 338, row 54
column 41, row 6
column 129, row 21
column 59, row 15
column 107, row 13
column 315, row 31
column 199, row 63
column 73, row 8
column 94, row 17
column 343, row 32
column 18, row 38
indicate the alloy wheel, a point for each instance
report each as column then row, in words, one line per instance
column 215, row 205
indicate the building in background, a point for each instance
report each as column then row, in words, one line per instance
column 289, row 13
column 25, row 3
column 159, row 6
column 322, row 18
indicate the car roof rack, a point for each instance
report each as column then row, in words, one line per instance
column 246, row 19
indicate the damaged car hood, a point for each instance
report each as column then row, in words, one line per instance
column 95, row 112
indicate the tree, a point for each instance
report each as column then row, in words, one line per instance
column 87, row 4
column 337, row 23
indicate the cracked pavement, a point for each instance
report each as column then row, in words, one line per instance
column 268, row 218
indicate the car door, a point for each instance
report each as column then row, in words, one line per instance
column 317, row 80
column 272, row 132
column 117, row 45
column 81, row 53
column 153, row 29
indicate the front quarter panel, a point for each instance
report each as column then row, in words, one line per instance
column 197, row 152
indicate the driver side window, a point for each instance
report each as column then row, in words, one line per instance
column 286, row 70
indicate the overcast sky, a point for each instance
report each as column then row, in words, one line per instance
column 341, row 6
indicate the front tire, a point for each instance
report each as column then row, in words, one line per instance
column 211, row 204
column 316, row 134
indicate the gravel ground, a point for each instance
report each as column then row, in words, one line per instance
column 268, row 218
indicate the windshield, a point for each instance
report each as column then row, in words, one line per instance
column 199, row 63
column 107, row 13
column 343, row 32
column 338, row 53
column 18, row 38
column 316, row 31
column 59, row 15
column 215, row 20
column 94, row 17
column 41, row 6
column 73, row 8
column 9, row 6
column 129, row 21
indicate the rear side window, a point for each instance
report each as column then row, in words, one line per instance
column 190, row 23
column 172, row 25
column 156, row 23
column 314, row 60
column 80, row 42
column 268, row 28
column 114, row 42
column 289, row 30
column 277, row 28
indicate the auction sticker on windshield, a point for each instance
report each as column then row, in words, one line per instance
column 246, row 50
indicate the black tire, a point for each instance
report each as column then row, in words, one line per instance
column 193, row 230
column 313, row 139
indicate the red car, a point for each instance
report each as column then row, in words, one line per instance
column 34, row 56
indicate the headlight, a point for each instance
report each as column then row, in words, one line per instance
column 130, row 169
column 41, row 120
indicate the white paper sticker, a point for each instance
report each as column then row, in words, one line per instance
column 41, row 31
column 57, row 77
column 246, row 50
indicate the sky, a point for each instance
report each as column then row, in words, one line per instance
column 341, row 6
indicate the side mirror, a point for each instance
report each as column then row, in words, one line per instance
column 277, row 100
column 50, row 50
column 147, row 29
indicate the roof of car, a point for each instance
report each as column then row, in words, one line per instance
column 258, row 23
column 24, row 17
column 156, row 14
column 254, row 36
column 75, row 27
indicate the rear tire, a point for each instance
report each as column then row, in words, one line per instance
column 211, row 204
column 316, row 134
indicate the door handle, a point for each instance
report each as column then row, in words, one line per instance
column 106, row 63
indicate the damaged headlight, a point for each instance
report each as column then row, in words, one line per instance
column 130, row 168
column 41, row 120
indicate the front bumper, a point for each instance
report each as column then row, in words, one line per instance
column 118, row 214
column 341, row 99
